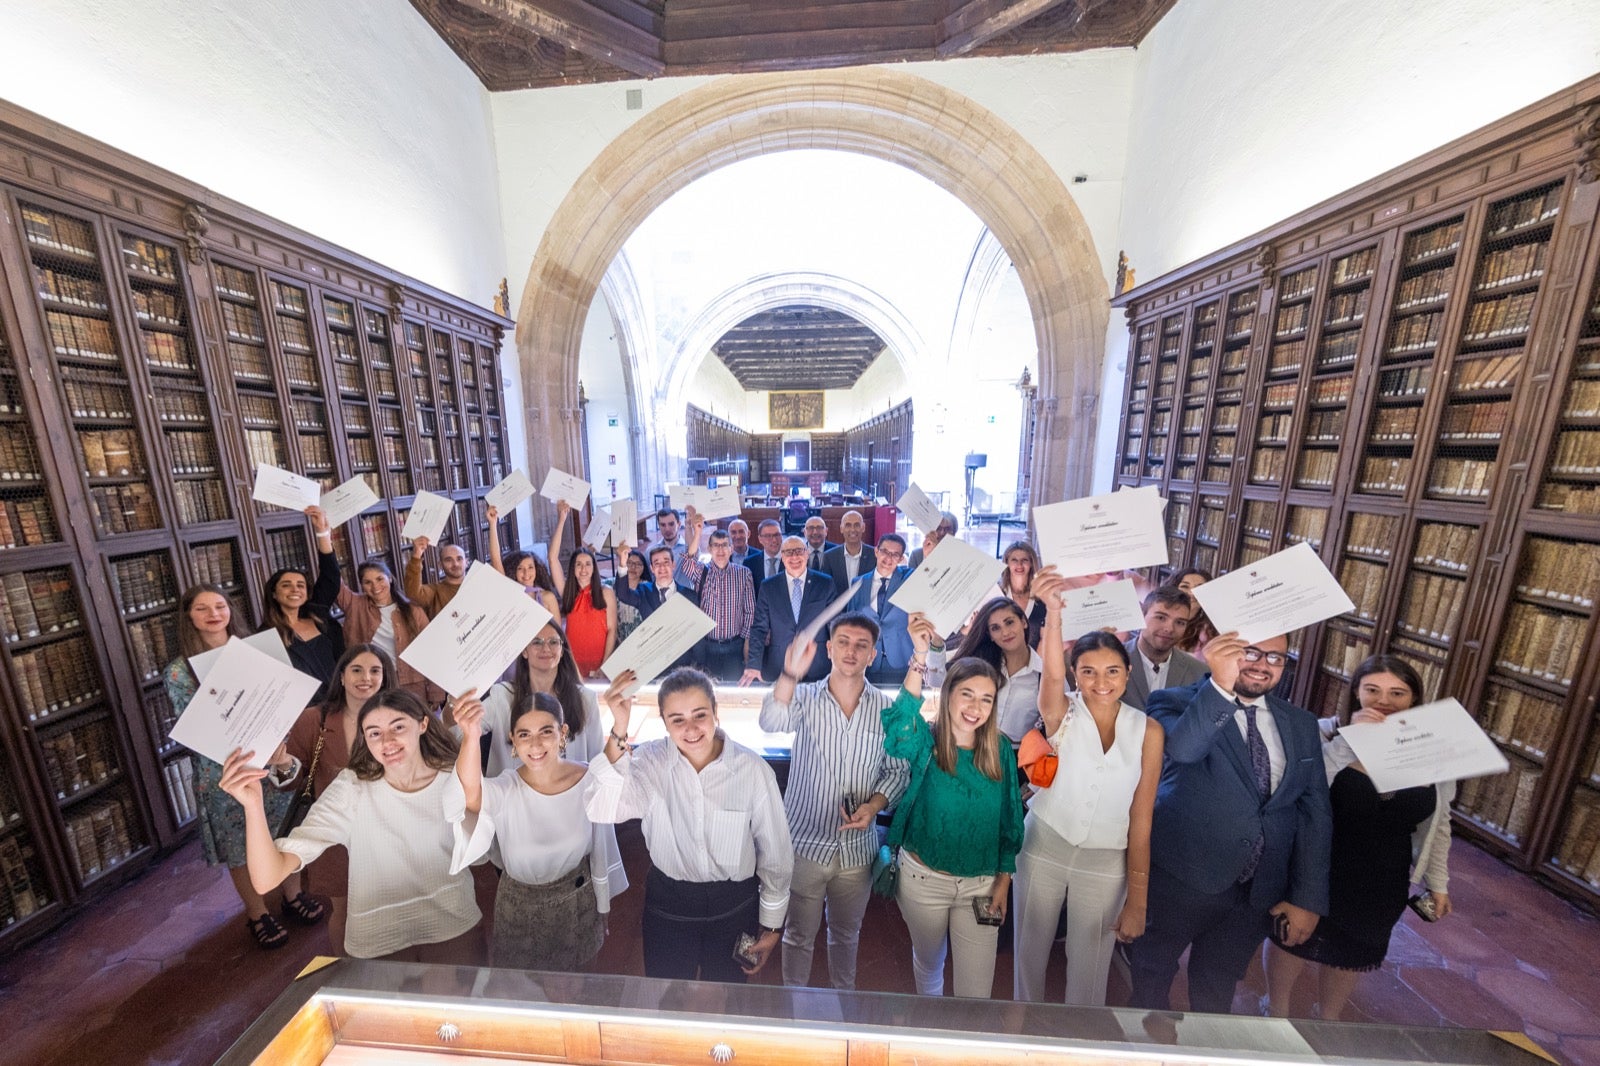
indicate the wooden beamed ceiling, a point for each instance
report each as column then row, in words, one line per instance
column 517, row 44
column 800, row 347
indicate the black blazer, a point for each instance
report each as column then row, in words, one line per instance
column 775, row 626
column 758, row 569
column 812, row 560
column 833, row 566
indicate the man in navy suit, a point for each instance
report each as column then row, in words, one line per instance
column 784, row 606
column 852, row 559
column 764, row 560
column 817, row 543
column 873, row 591
column 1242, row 827
column 664, row 586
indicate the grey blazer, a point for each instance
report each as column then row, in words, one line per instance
column 1182, row 670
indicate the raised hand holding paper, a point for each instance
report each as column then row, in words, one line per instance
column 829, row 613
column 248, row 701
column 286, row 489
column 1113, row 605
column 478, row 634
column 427, row 518
column 511, row 491
column 599, row 528
column 1422, row 746
column 341, row 504
column 267, row 642
column 672, row 629
column 625, row 521
column 915, row 505
column 560, row 485
column 1285, row 591
column 949, row 584
column 1103, row 534
column 718, row 503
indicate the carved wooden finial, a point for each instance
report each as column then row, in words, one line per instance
column 1267, row 261
column 502, row 300
column 1587, row 138
column 195, row 225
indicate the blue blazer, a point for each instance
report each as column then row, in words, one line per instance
column 1208, row 813
column 774, row 627
column 894, row 637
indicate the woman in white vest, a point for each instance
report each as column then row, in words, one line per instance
column 1087, row 836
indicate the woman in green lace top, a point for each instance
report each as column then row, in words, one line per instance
column 959, row 827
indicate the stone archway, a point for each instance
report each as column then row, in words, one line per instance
column 876, row 111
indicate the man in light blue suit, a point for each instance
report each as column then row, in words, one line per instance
column 1242, row 829
column 873, row 591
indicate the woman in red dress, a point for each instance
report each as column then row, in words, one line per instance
column 590, row 610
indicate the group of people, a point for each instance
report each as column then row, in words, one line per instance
column 1165, row 800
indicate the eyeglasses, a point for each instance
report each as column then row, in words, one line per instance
column 882, row 553
column 1272, row 658
column 794, row 551
column 545, row 642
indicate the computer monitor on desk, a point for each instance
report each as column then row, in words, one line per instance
column 802, row 492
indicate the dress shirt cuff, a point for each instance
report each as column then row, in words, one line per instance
column 774, row 910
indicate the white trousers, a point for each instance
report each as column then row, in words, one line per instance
column 843, row 891
column 937, row 906
column 1051, row 871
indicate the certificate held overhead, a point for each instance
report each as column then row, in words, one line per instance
column 478, row 634
column 285, row 488
column 1103, row 534
column 1279, row 594
column 512, row 490
column 950, row 584
column 560, row 485
column 341, row 504
column 427, row 517
column 915, row 505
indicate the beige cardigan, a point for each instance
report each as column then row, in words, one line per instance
column 361, row 620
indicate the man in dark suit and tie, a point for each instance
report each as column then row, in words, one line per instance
column 784, row 606
column 873, row 591
column 665, row 586
column 1242, row 827
column 1157, row 660
column 817, row 544
column 764, row 561
column 851, row 559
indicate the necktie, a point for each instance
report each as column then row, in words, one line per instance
column 883, row 596
column 1261, row 768
column 816, row 559
column 796, row 591
column 772, row 566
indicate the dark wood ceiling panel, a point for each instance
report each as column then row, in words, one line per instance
column 513, row 44
column 798, row 347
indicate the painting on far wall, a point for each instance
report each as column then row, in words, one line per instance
column 794, row 410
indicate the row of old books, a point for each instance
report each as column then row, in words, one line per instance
column 192, row 453
column 1347, row 307
column 180, row 788
column 1372, row 534
column 168, row 351
column 125, row 508
column 1432, row 606
column 1305, row 525
column 47, row 229
column 1332, row 389
column 1342, row 652
column 214, row 564
column 78, row 337
column 1291, row 320
column 1384, row 474
column 1542, row 644
column 155, row 644
column 1521, row 720
column 1504, row 316
column 287, row 550
column 363, row 453
column 1287, row 357
column 1579, row 851
column 1274, row 428
column 1446, row 546
column 79, row 758
column 1461, row 478
column 250, row 365
column 1503, row 802
column 1297, row 286
column 201, row 501
column 1438, row 241
column 1508, row 266
column 21, row 894
column 102, row 836
column 1317, row 469
column 148, row 257
column 181, row 407
column 1524, row 211
column 309, row 416
column 1497, row 372
column 1573, row 499
column 243, row 323
column 1474, row 421
column 18, row 460
column 1356, row 266
column 1268, row 465
column 1431, row 286
column 157, row 306
column 1560, row 570
column 26, row 522
column 56, row 676
column 37, row 603
column 145, row 582
column 265, row 447
column 1583, row 399
column 1577, row 452
column 1338, row 350
column 74, row 289
column 1363, row 583
column 1412, row 381
column 111, row 453
column 1415, row 333
column 1394, row 425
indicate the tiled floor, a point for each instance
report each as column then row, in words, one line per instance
column 163, row 972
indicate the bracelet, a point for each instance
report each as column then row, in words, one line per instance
column 770, row 929
column 622, row 742
column 920, row 668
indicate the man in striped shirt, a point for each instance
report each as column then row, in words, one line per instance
column 840, row 778
column 727, row 594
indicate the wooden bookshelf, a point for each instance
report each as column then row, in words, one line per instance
column 153, row 352
column 1407, row 378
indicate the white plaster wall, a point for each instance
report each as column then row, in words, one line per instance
column 351, row 120
column 716, row 391
column 600, row 370
column 1246, row 111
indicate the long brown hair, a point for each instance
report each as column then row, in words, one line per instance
column 597, row 590
column 272, row 611
column 986, row 744
column 1033, row 565
column 333, row 696
column 568, row 686
column 436, row 745
column 190, row 643
column 978, row 643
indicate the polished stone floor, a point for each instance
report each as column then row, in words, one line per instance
column 163, row 972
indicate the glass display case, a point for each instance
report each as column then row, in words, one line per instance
column 352, row 1012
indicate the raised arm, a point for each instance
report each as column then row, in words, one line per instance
column 611, row 623
column 328, row 589
column 469, row 765
column 266, row 864
column 411, row 580
column 1053, row 699
column 493, row 515
column 557, row 574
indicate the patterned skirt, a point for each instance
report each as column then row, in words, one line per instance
column 553, row 926
column 222, row 819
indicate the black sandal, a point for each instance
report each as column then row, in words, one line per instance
column 268, row 933
column 304, row 909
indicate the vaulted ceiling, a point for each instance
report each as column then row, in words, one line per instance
column 517, row 44
column 798, row 347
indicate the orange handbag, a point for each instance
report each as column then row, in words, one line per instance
column 1038, row 758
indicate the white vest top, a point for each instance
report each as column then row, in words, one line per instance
column 1089, row 800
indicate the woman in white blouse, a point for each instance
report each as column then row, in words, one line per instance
column 545, row 665
column 999, row 636
column 388, row 809
column 1086, row 840
column 714, row 824
column 561, row 870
